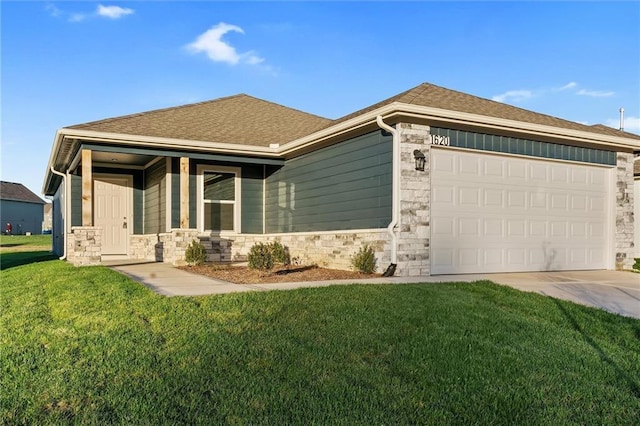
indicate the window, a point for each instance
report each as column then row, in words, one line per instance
column 219, row 190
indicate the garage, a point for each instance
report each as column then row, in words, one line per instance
column 502, row 213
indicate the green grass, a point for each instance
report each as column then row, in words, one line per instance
column 87, row 345
column 16, row 250
column 10, row 242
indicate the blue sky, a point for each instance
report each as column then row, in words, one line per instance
column 65, row 63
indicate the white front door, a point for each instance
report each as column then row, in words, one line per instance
column 111, row 211
column 496, row 213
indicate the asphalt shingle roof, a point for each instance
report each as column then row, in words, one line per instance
column 242, row 119
column 430, row 95
column 239, row 119
column 18, row 192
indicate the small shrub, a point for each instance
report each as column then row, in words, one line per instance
column 279, row 252
column 364, row 260
column 195, row 254
column 636, row 265
column 260, row 257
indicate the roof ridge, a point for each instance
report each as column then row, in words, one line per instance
column 528, row 111
column 191, row 105
column 158, row 110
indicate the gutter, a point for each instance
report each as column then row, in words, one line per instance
column 66, row 210
column 395, row 197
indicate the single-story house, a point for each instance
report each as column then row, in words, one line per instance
column 434, row 180
column 20, row 208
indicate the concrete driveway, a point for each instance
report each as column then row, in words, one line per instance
column 613, row 291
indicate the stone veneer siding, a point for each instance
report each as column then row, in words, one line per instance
column 84, row 245
column 327, row 249
column 624, row 211
column 169, row 247
column 414, row 233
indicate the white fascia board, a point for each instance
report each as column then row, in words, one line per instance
column 54, row 150
column 346, row 126
column 158, row 142
column 539, row 129
column 456, row 117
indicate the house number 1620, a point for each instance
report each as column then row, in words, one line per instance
column 439, row 140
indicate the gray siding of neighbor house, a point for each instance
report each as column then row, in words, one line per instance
column 154, row 198
column 23, row 216
column 344, row 186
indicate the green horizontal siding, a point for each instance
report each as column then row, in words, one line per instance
column 251, row 199
column 344, row 186
column 76, row 200
column 495, row 143
column 155, row 198
column 251, row 194
column 175, row 193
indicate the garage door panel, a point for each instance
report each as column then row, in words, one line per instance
column 468, row 227
column 516, row 199
column 516, row 171
column 493, row 257
column 469, row 166
column 469, row 257
column 468, row 196
column 516, row 257
column 494, row 168
column 493, row 213
column 443, row 195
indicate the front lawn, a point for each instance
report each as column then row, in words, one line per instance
column 24, row 242
column 88, row 345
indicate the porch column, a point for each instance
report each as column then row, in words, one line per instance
column 87, row 189
column 184, row 193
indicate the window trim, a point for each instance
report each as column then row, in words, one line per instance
column 237, row 203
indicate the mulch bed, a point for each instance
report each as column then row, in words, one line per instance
column 244, row 275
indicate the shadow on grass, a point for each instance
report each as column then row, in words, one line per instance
column 13, row 259
column 631, row 381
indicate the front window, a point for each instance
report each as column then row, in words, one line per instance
column 219, row 190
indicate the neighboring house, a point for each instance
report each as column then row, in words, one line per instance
column 435, row 180
column 21, row 208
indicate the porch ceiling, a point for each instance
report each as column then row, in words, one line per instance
column 117, row 158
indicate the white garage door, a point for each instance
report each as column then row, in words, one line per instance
column 493, row 213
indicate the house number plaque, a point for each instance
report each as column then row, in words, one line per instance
column 439, row 140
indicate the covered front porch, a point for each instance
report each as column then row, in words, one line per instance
column 141, row 203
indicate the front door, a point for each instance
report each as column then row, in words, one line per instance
column 112, row 212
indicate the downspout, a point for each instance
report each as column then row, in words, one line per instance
column 395, row 195
column 66, row 211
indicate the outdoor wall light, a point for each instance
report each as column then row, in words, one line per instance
column 420, row 160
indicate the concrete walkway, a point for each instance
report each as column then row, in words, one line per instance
column 169, row 281
column 613, row 291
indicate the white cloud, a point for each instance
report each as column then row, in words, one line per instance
column 631, row 124
column 113, row 12
column 53, row 10
column 211, row 43
column 109, row 12
column 595, row 93
column 77, row 17
column 568, row 86
column 513, row 96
